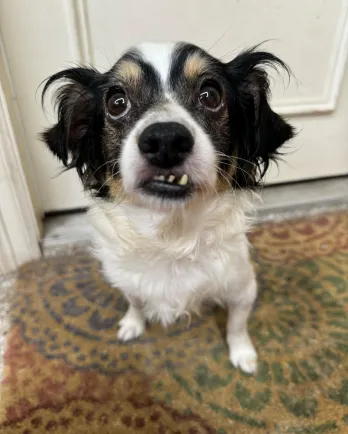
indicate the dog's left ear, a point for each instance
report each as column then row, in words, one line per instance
column 261, row 131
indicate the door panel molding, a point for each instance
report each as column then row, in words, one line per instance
column 325, row 103
column 336, row 69
column 79, row 31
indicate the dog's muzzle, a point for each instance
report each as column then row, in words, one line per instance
column 166, row 146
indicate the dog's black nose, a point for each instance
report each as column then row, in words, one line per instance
column 165, row 144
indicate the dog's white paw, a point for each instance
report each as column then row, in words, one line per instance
column 243, row 354
column 132, row 325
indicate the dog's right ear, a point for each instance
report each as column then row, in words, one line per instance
column 262, row 131
column 79, row 118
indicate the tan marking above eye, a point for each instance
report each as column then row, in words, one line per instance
column 129, row 71
column 195, row 65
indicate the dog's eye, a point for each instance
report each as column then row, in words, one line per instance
column 210, row 96
column 118, row 104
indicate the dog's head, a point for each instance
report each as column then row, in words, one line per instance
column 167, row 123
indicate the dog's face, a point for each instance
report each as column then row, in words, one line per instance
column 168, row 123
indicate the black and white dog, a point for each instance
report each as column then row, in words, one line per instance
column 170, row 142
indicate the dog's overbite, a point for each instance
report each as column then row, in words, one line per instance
column 183, row 180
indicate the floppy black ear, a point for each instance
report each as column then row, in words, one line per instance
column 75, row 138
column 261, row 131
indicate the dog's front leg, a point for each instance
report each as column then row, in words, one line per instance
column 242, row 352
column 132, row 325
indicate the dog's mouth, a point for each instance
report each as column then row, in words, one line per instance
column 168, row 186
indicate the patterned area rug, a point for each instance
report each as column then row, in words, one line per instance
column 65, row 372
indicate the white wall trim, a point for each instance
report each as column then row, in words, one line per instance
column 19, row 233
column 79, row 29
column 84, row 31
column 336, row 68
column 339, row 59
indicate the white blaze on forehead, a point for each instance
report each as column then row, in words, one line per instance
column 159, row 56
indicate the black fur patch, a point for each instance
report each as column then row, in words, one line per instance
column 77, row 136
column 254, row 126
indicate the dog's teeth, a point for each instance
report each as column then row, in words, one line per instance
column 171, row 178
column 183, row 180
column 156, row 178
column 161, row 178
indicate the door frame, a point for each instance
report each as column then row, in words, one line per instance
column 20, row 220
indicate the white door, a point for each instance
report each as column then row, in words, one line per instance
column 40, row 37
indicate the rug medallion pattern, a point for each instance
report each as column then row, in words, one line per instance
column 65, row 371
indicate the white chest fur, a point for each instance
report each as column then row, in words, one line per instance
column 168, row 263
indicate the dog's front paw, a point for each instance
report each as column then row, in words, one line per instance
column 243, row 354
column 132, row 325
